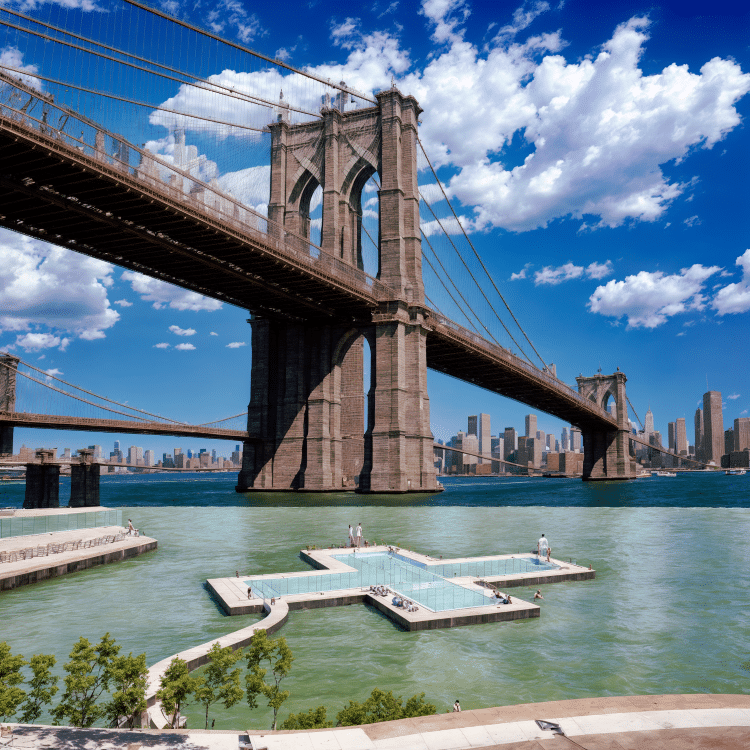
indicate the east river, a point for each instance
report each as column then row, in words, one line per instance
column 669, row 610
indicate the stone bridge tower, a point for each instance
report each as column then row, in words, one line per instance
column 8, row 369
column 606, row 452
column 307, row 401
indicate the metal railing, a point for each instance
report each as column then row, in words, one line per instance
column 25, row 109
column 516, row 362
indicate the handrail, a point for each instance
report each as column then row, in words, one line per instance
column 437, row 319
column 111, row 154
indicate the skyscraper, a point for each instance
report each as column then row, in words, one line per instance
column 649, row 423
column 671, row 436
column 680, row 433
column 564, row 445
column 484, row 435
column 509, row 442
column 531, row 425
column 742, row 433
column 713, row 427
column 699, row 434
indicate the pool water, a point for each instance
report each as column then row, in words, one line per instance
column 427, row 585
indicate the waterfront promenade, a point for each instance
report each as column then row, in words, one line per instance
column 653, row 722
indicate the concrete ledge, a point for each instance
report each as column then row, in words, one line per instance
column 26, row 572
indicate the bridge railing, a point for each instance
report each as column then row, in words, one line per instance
column 37, row 113
column 515, row 361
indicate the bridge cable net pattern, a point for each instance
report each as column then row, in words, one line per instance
column 185, row 114
column 40, row 396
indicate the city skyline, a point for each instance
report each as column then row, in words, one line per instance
column 650, row 274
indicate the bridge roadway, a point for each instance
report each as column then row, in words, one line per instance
column 86, row 424
column 67, row 190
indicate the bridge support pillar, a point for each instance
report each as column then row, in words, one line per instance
column 606, row 453
column 8, row 368
column 84, row 481
column 42, row 482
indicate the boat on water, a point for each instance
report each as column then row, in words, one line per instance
column 735, row 472
column 663, row 474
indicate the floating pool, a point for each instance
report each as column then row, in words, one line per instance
column 428, row 585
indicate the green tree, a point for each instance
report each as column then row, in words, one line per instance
column 263, row 655
column 176, row 687
column 128, row 681
column 382, row 706
column 219, row 684
column 43, row 686
column 88, row 678
column 315, row 718
column 11, row 696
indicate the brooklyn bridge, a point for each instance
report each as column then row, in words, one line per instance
column 78, row 182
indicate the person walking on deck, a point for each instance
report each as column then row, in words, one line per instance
column 351, row 536
column 359, row 535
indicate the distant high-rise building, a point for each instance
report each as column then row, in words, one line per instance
column 66, row 453
column 541, row 436
column 148, row 458
column 680, row 437
column 117, row 446
column 177, row 451
column 671, row 436
column 698, row 422
column 190, row 453
column 471, row 427
column 135, row 455
column 167, row 461
column 97, row 450
column 742, row 433
column 713, row 427
column 509, row 442
column 648, row 427
column 484, row 435
column 531, row 425
column 575, row 440
column 728, row 440
column 213, row 456
column 564, row 445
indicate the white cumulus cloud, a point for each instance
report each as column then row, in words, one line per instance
column 162, row 294
column 43, row 286
column 733, row 396
column 163, row 345
column 182, row 331
column 123, row 303
column 649, row 298
column 185, row 347
column 735, row 298
column 34, row 342
column 236, row 344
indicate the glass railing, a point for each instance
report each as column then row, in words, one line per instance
column 32, row 525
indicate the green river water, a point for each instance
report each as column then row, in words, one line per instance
column 667, row 613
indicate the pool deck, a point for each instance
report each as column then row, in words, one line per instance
column 231, row 593
column 41, row 568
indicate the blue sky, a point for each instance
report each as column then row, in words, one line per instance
column 596, row 152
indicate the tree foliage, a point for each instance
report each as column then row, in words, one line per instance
column 382, row 706
column 128, row 681
column 315, row 718
column 87, row 679
column 176, row 687
column 263, row 655
column 219, row 684
column 43, row 686
column 11, row 696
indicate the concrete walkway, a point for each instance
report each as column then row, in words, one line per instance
column 666, row 722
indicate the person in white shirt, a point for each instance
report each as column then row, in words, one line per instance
column 351, row 536
column 359, row 535
column 542, row 545
column 456, row 707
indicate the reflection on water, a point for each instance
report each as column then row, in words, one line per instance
column 667, row 612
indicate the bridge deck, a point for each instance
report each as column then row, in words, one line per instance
column 85, row 424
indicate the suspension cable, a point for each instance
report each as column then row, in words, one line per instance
column 473, row 278
column 465, row 301
column 492, row 281
column 635, row 412
column 247, row 50
column 83, row 390
column 130, row 101
column 202, row 84
column 226, row 419
column 230, row 91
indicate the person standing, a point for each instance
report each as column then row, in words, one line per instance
column 359, row 535
column 542, row 545
column 351, row 536
column 456, row 707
